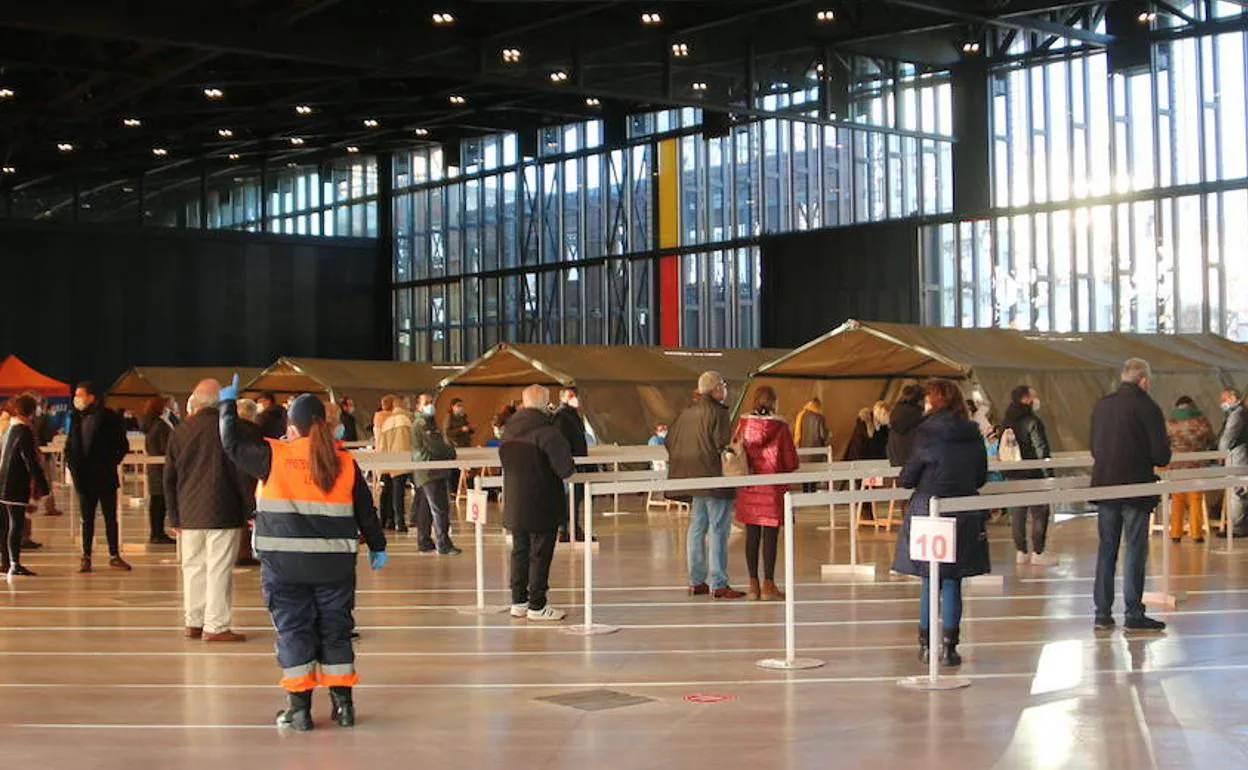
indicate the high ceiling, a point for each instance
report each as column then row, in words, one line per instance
column 79, row 70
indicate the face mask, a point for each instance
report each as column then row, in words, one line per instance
column 574, row 403
column 662, row 434
column 498, row 432
column 927, row 407
column 80, row 404
column 1035, row 406
column 427, row 410
column 39, row 411
column 1227, row 407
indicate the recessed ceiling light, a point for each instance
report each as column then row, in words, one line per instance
column 159, row 152
column 970, row 48
column 214, row 93
column 234, row 156
column 1146, row 17
column 443, row 18
column 303, row 109
column 825, row 16
column 296, row 140
column 652, row 18
column 224, row 133
column 64, row 147
column 457, row 99
column 353, row 149
column 131, row 122
column 592, row 101
column 420, row 131
column 699, row 85
column 558, row 76
column 371, row 123
column 680, row 50
column 8, row 170
column 511, row 55
column 7, row 93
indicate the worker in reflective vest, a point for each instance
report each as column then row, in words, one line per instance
column 312, row 507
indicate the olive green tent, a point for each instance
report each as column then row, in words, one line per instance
column 134, row 388
column 364, row 381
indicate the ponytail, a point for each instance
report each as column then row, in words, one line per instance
column 323, row 456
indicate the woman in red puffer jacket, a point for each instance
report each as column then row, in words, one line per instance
column 768, row 444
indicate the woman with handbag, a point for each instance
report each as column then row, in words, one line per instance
column 768, row 445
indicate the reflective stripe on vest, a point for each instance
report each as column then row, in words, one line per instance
column 294, row 515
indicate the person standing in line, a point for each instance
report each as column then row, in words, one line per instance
column 156, row 443
column 1189, row 431
column 431, row 510
column 395, row 437
column 207, row 508
column 272, row 417
column 45, row 429
column 695, row 446
column 812, row 432
column 1234, row 441
column 770, row 449
column 903, row 419
column 1129, row 443
column 659, row 437
column 247, row 412
column 1022, row 417
column 313, row 509
column 948, row 460
column 348, row 428
column 22, row 481
column 458, row 430
column 536, row 460
column 96, row 446
column 571, row 424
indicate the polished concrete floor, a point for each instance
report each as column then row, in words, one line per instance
column 95, row 673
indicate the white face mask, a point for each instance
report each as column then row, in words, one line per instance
column 498, row 432
column 1228, row 406
column 81, row 403
column 427, row 410
column 1035, row 406
column 662, row 434
column 574, row 402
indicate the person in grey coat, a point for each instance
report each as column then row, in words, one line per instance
column 1234, row 442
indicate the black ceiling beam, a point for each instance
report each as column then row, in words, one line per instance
column 1010, row 21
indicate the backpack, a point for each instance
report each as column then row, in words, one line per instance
column 733, row 460
column 1008, row 451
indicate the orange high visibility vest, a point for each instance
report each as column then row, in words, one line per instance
column 294, row 515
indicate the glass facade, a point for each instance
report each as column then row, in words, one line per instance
column 1121, row 198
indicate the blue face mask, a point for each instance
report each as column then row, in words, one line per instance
column 1228, row 407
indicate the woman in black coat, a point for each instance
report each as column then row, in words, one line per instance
column 949, row 460
column 21, row 473
column 156, row 443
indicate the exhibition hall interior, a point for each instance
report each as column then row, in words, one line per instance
column 598, row 383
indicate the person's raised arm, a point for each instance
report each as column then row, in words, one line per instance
column 252, row 457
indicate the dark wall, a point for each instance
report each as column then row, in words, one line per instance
column 90, row 302
column 815, row 281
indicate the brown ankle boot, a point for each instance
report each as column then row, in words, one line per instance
column 753, row 592
column 771, row 593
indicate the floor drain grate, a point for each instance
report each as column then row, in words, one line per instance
column 596, row 700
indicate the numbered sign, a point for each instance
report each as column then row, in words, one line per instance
column 934, row 538
column 478, row 500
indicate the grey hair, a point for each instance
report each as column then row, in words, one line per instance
column 206, row 395
column 248, row 409
column 1136, row 370
column 709, row 381
column 536, row 397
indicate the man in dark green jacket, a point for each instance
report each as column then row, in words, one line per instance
column 432, row 507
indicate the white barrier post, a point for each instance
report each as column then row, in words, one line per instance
column 853, row 569
column 589, row 628
column 475, row 511
column 1228, row 526
column 615, row 498
column 1165, row 598
column 790, row 662
column 933, row 680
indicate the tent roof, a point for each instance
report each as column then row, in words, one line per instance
column 735, row 364
column 506, row 364
column 335, row 377
column 16, row 376
column 149, row 381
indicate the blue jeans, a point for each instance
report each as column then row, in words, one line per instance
column 710, row 523
column 950, row 604
column 1116, row 521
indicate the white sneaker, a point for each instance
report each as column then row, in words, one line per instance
column 1044, row 560
column 519, row 610
column 1022, row 557
column 547, row 613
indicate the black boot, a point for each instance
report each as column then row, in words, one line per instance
column 298, row 712
column 924, row 646
column 343, row 711
column 949, row 654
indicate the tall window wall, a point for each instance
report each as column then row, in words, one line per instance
column 1124, row 197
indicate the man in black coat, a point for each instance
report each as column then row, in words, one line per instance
column 346, row 418
column 272, row 418
column 96, row 445
column 567, row 419
column 1033, row 444
column 536, row 460
column 1129, row 443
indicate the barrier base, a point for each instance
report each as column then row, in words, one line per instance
column 926, row 683
column 853, row 571
column 781, row 664
column 1228, row 551
column 481, row 610
column 580, row 546
column 985, row 583
column 147, row 548
column 612, row 514
column 593, row 629
column 1163, row 599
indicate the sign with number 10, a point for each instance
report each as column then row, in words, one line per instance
column 934, row 538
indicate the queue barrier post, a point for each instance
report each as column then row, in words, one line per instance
column 615, row 497
column 790, row 661
column 475, row 510
column 1165, row 598
column 589, row 627
column 1228, row 526
column 933, row 680
column 853, row 569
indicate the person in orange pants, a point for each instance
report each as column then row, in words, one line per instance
column 1189, row 431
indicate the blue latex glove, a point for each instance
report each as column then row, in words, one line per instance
column 377, row 559
column 230, row 392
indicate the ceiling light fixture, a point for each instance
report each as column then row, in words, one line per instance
column 1146, row 17
column 8, row 170
column 7, row 93
column 64, row 147
column 699, row 85
column 592, row 101
column 420, row 131
column 651, row 18
column 224, row 133
column 680, row 50
column 511, row 55
column 296, row 140
column 559, row 76
column 442, row 19
column 234, row 156
column 292, row 164
column 970, row 48
column 353, row 149
column 457, row 99
column 159, row 152
column 371, row 123
column 131, row 122
column 825, row 16
column 214, row 93
column 303, row 109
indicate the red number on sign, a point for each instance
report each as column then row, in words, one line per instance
column 940, row 547
column 922, row 541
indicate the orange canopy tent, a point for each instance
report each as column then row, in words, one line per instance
column 16, row 377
